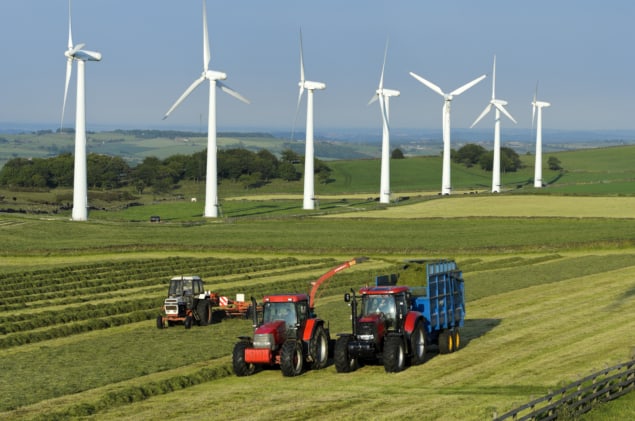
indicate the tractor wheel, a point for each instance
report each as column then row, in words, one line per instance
column 344, row 362
column 291, row 358
column 394, row 355
column 418, row 344
column 188, row 322
column 457, row 340
column 319, row 350
column 203, row 308
column 160, row 322
column 446, row 342
column 242, row 368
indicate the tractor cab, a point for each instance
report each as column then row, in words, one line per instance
column 185, row 286
column 293, row 310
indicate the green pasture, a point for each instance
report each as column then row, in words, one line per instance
column 549, row 278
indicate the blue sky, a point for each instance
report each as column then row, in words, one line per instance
column 580, row 51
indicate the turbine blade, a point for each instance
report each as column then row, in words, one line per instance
column 69, row 70
column 70, row 32
column 533, row 108
column 301, row 61
column 504, row 111
column 483, row 114
column 206, row 53
column 494, row 79
column 373, row 99
column 231, row 92
column 384, row 113
column 467, row 86
column 188, row 91
column 383, row 66
column 429, row 84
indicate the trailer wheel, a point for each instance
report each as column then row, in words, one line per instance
column 203, row 309
column 418, row 344
column 242, row 368
column 394, row 355
column 188, row 322
column 457, row 340
column 160, row 322
column 319, row 349
column 344, row 362
column 446, row 342
column 291, row 358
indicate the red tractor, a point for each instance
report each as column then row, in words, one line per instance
column 290, row 335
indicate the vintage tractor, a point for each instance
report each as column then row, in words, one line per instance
column 187, row 303
column 289, row 335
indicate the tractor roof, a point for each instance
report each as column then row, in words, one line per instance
column 382, row 290
column 285, row 298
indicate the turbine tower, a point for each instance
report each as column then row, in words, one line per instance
column 80, row 184
column 499, row 106
column 446, row 186
column 539, row 105
column 309, row 172
column 383, row 95
column 214, row 77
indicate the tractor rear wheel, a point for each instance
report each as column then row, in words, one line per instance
column 418, row 344
column 394, row 355
column 242, row 368
column 291, row 358
column 319, row 350
column 344, row 362
column 203, row 308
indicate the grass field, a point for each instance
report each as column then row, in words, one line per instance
column 550, row 288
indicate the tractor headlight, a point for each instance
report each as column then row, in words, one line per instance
column 367, row 337
column 264, row 340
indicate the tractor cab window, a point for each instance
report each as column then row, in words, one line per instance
column 303, row 312
column 378, row 304
column 197, row 287
column 280, row 311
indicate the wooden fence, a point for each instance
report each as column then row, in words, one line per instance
column 578, row 397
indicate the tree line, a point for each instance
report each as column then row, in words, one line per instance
column 472, row 154
column 105, row 172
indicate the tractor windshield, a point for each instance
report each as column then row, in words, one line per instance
column 380, row 304
column 280, row 311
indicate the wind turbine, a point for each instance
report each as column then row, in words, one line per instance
column 538, row 105
column 383, row 95
column 309, row 175
column 499, row 105
column 214, row 77
column 80, row 184
column 446, row 186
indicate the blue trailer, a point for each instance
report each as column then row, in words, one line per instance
column 397, row 323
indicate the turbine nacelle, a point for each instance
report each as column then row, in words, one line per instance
column 387, row 92
column 214, row 75
column 541, row 104
column 311, row 86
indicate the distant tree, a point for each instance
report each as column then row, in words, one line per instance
column 510, row 161
column 554, row 163
column 469, row 155
column 288, row 155
column 397, row 154
column 288, row 172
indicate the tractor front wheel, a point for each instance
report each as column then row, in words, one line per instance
column 160, row 322
column 344, row 362
column 242, row 368
column 188, row 322
column 291, row 358
column 394, row 355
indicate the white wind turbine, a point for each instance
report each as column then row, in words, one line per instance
column 383, row 95
column 499, row 105
column 446, row 186
column 538, row 168
column 214, row 77
column 309, row 175
column 80, row 183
